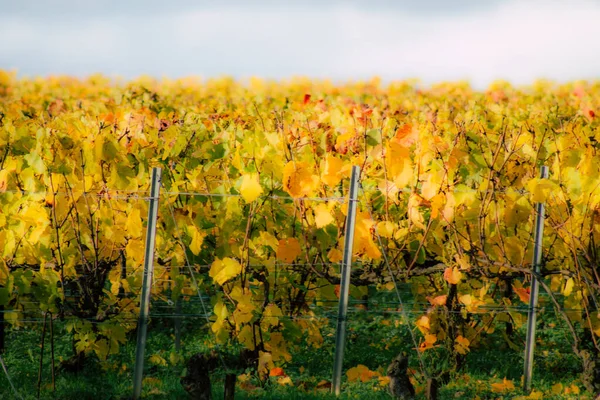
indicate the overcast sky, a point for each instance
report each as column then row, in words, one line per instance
column 434, row 40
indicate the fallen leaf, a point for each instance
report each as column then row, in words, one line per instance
column 505, row 385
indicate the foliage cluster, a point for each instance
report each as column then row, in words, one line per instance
column 253, row 195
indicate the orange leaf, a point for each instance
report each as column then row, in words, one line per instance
column 298, row 179
column 406, row 135
column 430, row 340
column 452, row 275
column 438, row 300
column 523, row 293
column 288, row 249
column 277, row 371
column 337, row 289
column 461, row 345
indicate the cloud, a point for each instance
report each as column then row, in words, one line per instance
column 515, row 40
column 519, row 41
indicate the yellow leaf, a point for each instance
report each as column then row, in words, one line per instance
column 4, row 271
column 535, row 395
column 134, row 223
column 157, row 359
column 174, row 358
column 568, row 287
column 278, row 347
column 505, row 385
column 335, row 255
column 452, row 275
column 269, row 240
column 271, row 316
column 322, row 215
column 152, row 381
column 288, row 250
column 431, row 185
column 250, row 188
column 574, row 389
column 363, row 239
column 540, row 189
column 298, row 179
column 462, row 261
column 197, row 239
column 466, row 299
column 284, row 380
column 221, row 310
column 156, row 391
column 414, row 214
column 423, row 324
column 223, row 270
column 102, row 348
column 245, row 307
column 35, row 214
column 385, row 229
column 4, row 175
column 242, row 316
column 135, row 250
column 557, row 389
column 461, row 345
column 265, row 362
column 332, row 173
column 11, row 317
column 399, row 165
column 384, row 381
column 246, row 337
column 514, row 249
column 360, row 372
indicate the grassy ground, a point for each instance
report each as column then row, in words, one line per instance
column 371, row 342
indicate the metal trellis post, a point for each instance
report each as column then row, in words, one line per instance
column 340, row 339
column 147, row 283
column 533, row 294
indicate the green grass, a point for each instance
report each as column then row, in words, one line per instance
column 369, row 342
